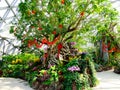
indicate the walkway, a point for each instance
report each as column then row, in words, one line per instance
column 13, row 84
column 108, row 81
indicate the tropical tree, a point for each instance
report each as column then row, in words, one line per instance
column 55, row 23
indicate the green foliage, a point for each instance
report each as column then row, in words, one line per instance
column 114, row 59
column 18, row 65
column 53, row 75
column 21, row 68
column 36, row 19
column 83, row 21
column 82, row 79
column 31, row 76
column 55, row 22
column 12, row 29
column 92, row 73
column 23, row 57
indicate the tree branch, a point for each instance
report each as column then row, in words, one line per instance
column 77, row 22
column 111, row 27
column 67, row 38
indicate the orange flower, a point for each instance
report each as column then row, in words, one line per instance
column 31, row 42
column 45, row 72
column 44, row 41
column 38, row 45
column 29, row 45
column 54, row 32
column 62, row 1
column 82, row 13
column 40, row 28
column 61, row 26
column 55, row 40
column 34, row 41
column 32, row 26
column 33, row 12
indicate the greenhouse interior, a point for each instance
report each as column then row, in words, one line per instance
column 59, row 44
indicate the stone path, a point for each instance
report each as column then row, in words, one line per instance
column 13, row 84
column 108, row 81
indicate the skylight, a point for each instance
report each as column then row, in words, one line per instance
column 8, row 12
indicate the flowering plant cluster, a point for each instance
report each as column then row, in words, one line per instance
column 73, row 68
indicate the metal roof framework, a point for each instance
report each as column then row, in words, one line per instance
column 8, row 13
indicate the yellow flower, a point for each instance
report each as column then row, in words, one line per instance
column 17, row 60
column 36, row 60
column 13, row 62
column 81, row 75
column 20, row 61
column 70, row 58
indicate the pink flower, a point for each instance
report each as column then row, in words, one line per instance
column 35, row 68
column 73, row 68
column 49, row 66
column 72, row 43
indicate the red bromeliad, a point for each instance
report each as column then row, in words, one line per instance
column 38, row 45
column 30, row 43
column 112, row 50
column 104, row 47
column 60, row 46
column 44, row 41
column 45, row 55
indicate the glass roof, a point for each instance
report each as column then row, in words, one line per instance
column 8, row 12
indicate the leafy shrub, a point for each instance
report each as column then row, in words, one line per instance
column 23, row 66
